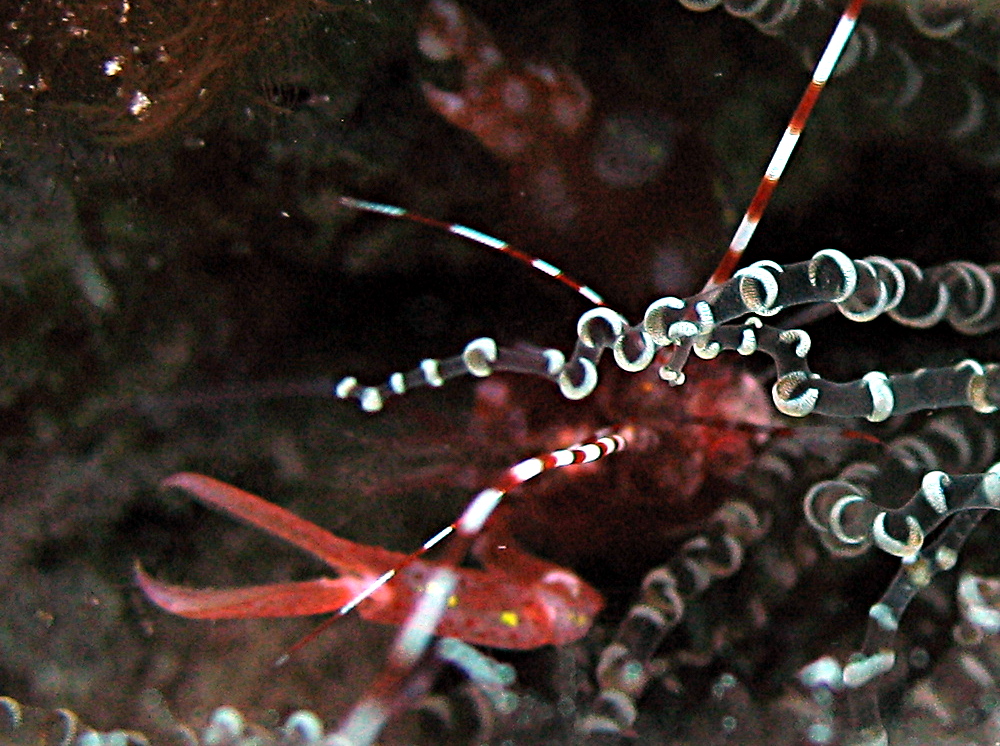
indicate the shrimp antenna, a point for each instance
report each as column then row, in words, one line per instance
column 672, row 371
column 786, row 146
column 483, row 239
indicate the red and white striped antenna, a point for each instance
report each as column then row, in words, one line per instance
column 484, row 239
column 786, row 146
column 672, row 372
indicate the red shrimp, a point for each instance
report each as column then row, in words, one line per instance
column 516, row 601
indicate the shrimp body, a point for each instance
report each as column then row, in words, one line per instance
column 516, row 601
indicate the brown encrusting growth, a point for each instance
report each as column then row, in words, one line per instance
column 135, row 70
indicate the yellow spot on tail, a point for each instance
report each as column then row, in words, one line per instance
column 510, row 618
column 452, row 601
